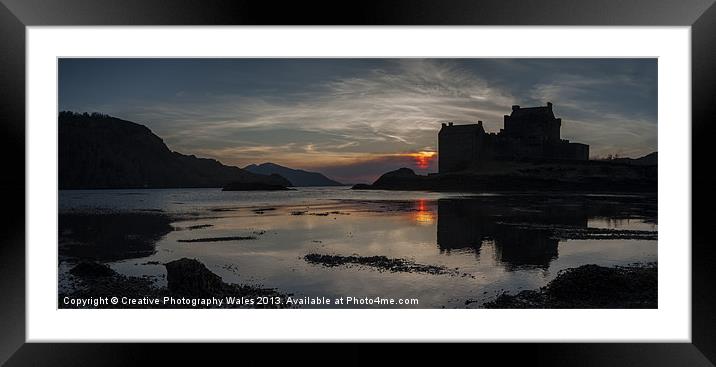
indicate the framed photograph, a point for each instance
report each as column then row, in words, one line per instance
column 404, row 173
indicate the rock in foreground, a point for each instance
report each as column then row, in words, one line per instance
column 189, row 277
column 590, row 286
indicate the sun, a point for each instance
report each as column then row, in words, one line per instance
column 423, row 158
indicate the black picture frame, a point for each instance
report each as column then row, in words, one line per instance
column 16, row 15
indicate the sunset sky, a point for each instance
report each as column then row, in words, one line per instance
column 354, row 119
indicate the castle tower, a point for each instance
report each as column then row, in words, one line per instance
column 533, row 124
column 460, row 147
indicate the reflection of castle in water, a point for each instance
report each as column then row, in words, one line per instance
column 518, row 239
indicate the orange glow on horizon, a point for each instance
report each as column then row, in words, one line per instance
column 422, row 159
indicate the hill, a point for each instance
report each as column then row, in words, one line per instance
column 297, row 177
column 650, row 159
column 97, row 151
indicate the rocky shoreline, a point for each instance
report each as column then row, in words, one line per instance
column 591, row 286
column 510, row 176
column 186, row 279
column 584, row 287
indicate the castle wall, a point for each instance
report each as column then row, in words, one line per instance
column 575, row 151
column 513, row 148
column 532, row 128
column 457, row 151
column 462, row 147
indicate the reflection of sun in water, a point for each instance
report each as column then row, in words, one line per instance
column 423, row 214
column 422, row 159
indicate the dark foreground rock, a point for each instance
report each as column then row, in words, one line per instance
column 253, row 186
column 187, row 278
column 590, row 286
column 191, row 278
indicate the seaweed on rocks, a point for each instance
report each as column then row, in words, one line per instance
column 219, row 239
column 381, row 263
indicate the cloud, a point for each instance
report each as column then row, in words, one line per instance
column 591, row 114
column 338, row 123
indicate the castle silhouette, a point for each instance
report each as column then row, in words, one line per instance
column 529, row 133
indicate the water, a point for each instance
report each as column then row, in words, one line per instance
column 497, row 242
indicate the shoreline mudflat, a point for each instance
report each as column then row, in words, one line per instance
column 449, row 251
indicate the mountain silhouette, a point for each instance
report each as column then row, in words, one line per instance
column 98, row 151
column 650, row 159
column 297, row 177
